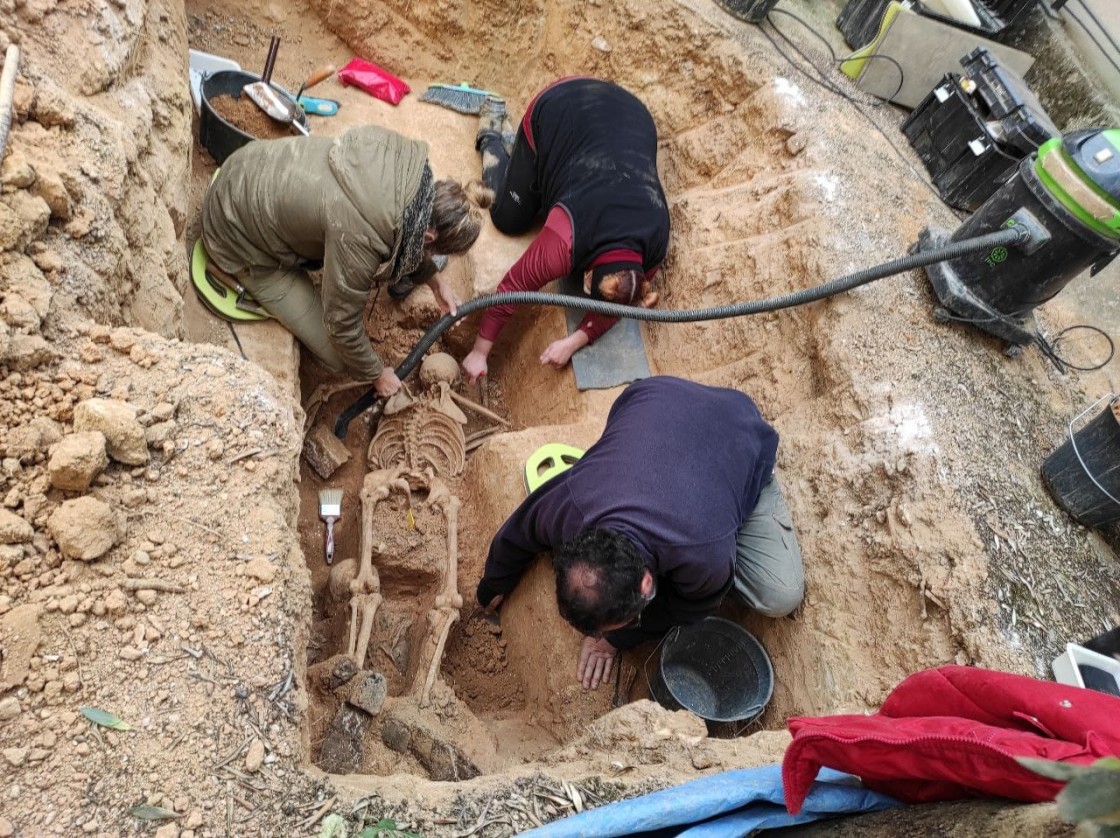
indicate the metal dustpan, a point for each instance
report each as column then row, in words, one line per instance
column 269, row 100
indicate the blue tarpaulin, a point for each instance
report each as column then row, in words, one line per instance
column 733, row 803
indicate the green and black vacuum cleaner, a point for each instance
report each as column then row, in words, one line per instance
column 1067, row 195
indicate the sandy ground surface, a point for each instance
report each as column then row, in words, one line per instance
column 910, row 451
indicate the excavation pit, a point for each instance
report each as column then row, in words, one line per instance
column 766, row 196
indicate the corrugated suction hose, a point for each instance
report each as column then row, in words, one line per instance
column 1007, row 237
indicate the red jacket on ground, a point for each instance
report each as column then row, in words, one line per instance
column 954, row 732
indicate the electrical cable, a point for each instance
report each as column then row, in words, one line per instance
column 1049, row 348
column 236, row 340
column 842, row 94
column 842, row 62
column 1008, row 236
column 1104, row 31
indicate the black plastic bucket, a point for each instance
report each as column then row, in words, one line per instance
column 215, row 134
column 1083, row 475
column 716, row 669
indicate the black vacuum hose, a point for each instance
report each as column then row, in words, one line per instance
column 1010, row 236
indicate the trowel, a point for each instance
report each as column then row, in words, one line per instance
column 271, row 101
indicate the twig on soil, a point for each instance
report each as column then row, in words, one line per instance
column 73, row 648
column 483, row 824
column 319, row 814
column 153, row 584
column 229, row 807
column 183, row 519
column 242, row 748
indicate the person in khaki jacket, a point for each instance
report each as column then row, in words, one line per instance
column 365, row 207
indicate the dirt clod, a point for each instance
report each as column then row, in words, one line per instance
column 85, row 528
column 116, row 420
column 243, row 113
column 77, row 460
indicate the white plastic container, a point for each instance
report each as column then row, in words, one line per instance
column 1067, row 667
column 202, row 64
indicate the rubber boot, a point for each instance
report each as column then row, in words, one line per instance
column 490, row 118
column 509, row 134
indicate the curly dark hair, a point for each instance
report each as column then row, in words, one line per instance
column 598, row 580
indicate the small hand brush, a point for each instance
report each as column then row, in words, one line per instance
column 330, row 510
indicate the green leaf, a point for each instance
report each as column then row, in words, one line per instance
column 1062, row 771
column 152, row 813
column 334, row 826
column 1091, row 796
column 100, row 717
column 387, row 828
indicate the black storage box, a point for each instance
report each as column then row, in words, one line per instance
column 973, row 129
column 859, row 19
column 752, row 11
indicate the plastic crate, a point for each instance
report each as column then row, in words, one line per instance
column 859, row 20
column 973, row 129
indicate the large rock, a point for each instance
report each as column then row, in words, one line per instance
column 124, row 436
column 324, row 451
column 369, row 693
column 26, row 352
column 13, row 529
column 77, row 460
column 85, row 528
column 345, row 741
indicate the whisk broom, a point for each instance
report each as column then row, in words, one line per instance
column 330, row 510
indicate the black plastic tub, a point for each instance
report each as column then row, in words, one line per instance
column 752, row 11
column 217, row 136
column 1083, row 475
column 716, row 669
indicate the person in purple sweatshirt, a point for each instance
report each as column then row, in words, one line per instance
column 672, row 508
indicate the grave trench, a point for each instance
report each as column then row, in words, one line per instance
column 745, row 204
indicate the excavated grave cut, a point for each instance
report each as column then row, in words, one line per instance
column 768, row 192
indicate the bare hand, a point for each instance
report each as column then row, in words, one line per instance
column 387, row 384
column 558, row 353
column 474, row 365
column 596, row 660
column 446, row 298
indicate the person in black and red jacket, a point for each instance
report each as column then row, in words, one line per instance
column 585, row 158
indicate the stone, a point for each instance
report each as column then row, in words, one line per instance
column 23, row 219
column 49, row 430
column 147, row 596
column 260, row 568
column 26, row 352
column 9, row 708
column 15, row 756
column 19, row 313
column 20, row 634
column 85, row 528
column 22, row 274
column 168, row 830
column 7, row 829
column 254, row 758
column 396, row 736
column 116, row 602
column 158, row 433
column 368, row 693
column 24, row 442
column 50, row 188
column 124, row 436
column 343, row 671
column 163, row 411
column 13, row 529
column 600, row 43
column 343, row 744
column 76, row 460
column 16, row 172
column 324, row 451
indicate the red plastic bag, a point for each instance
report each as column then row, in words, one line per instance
column 373, row 80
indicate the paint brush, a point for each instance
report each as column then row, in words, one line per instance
column 330, row 510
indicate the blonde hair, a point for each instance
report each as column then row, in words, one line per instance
column 457, row 214
column 631, row 288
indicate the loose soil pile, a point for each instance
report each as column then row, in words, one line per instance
column 909, row 450
column 242, row 112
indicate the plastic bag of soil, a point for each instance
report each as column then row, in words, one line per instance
column 373, row 80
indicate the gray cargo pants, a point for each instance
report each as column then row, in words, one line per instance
column 769, row 577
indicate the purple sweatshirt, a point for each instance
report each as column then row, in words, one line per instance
column 678, row 469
